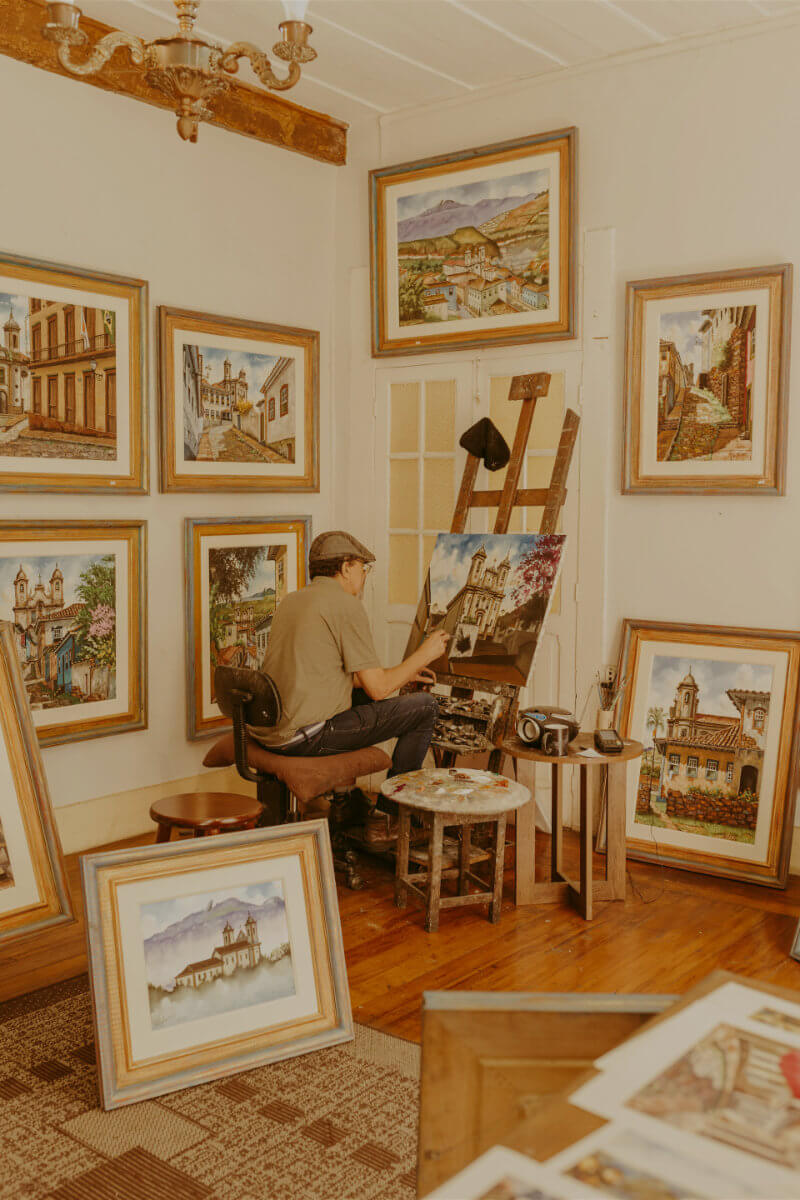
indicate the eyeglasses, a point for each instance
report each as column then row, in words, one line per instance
column 367, row 567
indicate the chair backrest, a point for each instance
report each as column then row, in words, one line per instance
column 252, row 691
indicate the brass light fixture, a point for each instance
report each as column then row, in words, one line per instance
column 189, row 70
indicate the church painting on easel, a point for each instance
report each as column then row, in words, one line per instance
column 491, row 593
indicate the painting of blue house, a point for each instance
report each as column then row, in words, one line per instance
column 64, row 654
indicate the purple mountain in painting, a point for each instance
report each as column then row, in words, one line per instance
column 195, row 936
column 448, row 215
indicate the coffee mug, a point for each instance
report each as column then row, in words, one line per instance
column 555, row 739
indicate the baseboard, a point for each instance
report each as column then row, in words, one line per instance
column 127, row 814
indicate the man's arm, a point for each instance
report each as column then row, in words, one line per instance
column 380, row 682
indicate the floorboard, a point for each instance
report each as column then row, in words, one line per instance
column 673, row 928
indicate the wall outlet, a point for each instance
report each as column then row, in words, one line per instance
column 608, row 675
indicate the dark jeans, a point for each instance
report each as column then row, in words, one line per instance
column 408, row 718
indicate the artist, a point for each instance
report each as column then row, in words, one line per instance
column 322, row 659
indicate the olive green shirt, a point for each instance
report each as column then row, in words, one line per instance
column 320, row 637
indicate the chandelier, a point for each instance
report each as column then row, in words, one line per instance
column 190, row 71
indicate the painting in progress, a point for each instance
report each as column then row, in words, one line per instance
column 715, row 709
column 64, row 613
column 706, row 373
column 474, row 248
column 210, row 954
column 238, row 407
column 33, row 888
column 706, row 382
column 491, row 593
column 239, row 404
column 734, row 1088
column 708, row 723
column 72, row 353
column 237, row 573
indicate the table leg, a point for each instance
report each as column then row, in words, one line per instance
column 557, row 823
column 616, row 792
column 463, row 864
column 163, row 833
column 499, row 862
column 401, row 869
column 586, row 847
column 435, row 849
column 525, row 849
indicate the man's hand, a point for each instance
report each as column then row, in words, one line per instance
column 424, row 676
column 434, row 646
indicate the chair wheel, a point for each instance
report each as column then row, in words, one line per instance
column 354, row 881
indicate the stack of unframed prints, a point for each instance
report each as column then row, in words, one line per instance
column 703, row 1105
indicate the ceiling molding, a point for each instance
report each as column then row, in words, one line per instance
column 243, row 109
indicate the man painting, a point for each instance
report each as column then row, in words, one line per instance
column 322, row 659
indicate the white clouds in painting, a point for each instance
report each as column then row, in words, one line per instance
column 500, row 188
column 160, row 915
column 256, row 366
column 41, row 568
column 713, row 678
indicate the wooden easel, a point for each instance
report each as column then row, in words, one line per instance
column 526, row 389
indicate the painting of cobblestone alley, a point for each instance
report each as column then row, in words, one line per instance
column 706, row 364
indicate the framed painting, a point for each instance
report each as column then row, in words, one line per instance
column 239, row 404
column 75, row 595
column 475, row 248
column 707, row 383
column 717, row 711
column 33, row 887
column 73, row 365
column 208, row 958
column 237, row 572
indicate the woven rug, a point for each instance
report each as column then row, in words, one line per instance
column 339, row 1124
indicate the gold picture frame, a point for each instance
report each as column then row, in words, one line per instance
column 717, row 710
column 153, row 1038
column 706, row 399
column 281, row 568
column 448, row 274
column 220, row 435
column 73, row 366
column 79, row 616
column 34, row 894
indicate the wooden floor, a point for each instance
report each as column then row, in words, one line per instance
column 673, row 928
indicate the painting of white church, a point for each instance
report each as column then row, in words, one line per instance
column 210, row 954
column 237, row 406
column 491, row 593
column 63, row 613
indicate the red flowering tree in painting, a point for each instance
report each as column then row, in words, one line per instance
column 537, row 569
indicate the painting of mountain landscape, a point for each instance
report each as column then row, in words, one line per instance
column 213, row 953
column 474, row 250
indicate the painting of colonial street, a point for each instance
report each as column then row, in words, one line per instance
column 490, row 593
column 64, row 617
column 210, row 954
column 58, row 379
column 472, row 250
column 245, row 586
column 706, row 363
column 705, row 737
column 238, row 407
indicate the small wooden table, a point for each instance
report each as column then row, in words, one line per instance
column 205, row 813
column 582, row 895
column 444, row 797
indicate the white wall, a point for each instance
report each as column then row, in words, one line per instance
column 229, row 226
column 688, row 158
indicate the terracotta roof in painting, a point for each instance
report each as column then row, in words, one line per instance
column 203, row 965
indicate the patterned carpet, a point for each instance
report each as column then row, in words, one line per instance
column 339, row 1124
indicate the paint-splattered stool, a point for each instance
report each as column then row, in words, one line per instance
column 442, row 798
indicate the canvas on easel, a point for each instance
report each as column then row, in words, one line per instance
column 495, row 630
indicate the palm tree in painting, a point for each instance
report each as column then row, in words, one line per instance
column 656, row 719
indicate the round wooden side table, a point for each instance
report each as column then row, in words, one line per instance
column 558, row 887
column 204, row 813
column 444, row 797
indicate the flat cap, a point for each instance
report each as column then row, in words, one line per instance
column 338, row 544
